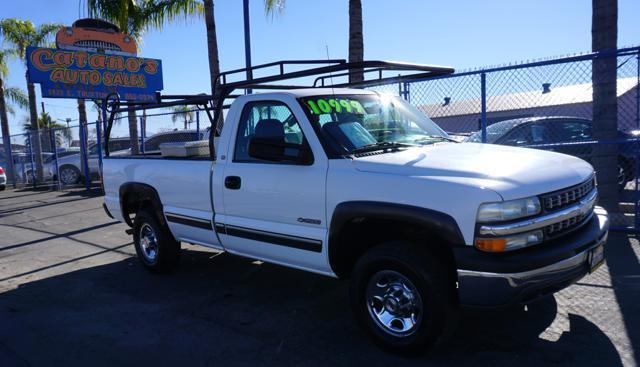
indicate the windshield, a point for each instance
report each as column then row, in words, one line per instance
column 356, row 121
column 494, row 131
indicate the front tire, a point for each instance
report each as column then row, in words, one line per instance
column 69, row 175
column 404, row 297
column 155, row 246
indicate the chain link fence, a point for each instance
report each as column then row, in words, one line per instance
column 50, row 157
column 154, row 128
column 548, row 105
column 71, row 156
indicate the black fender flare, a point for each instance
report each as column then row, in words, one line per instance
column 144, row 192
column 434, row 221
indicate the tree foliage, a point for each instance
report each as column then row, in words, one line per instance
column 135, row 17
column 273, row 7
column 184, row 113
column 17, row 96
column 22, row 33
column 46, row 123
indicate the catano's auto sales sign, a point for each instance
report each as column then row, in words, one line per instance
column 88, row 75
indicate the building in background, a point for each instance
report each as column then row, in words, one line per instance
column 463, row 116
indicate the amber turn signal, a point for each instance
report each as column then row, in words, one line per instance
column 491, row 244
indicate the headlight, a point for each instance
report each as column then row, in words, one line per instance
column 508, row 210
column 510, row 243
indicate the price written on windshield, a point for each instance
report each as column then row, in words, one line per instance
column 338, row 105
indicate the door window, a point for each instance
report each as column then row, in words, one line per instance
column 521, row 135
column 267, row 119
column 571, row 131
column 540, row 134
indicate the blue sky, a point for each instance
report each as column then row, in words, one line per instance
column 459, row 33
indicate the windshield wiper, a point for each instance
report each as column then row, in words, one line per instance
column 383, row 145
column 435, row 137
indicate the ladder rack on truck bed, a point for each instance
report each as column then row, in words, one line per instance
column 225, row 86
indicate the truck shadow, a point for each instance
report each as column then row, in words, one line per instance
column 217, row 309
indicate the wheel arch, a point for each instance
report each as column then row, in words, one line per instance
column 135, row 195
column 64, row 165
column 372, row 223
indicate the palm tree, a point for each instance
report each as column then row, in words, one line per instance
column 16, row 96
column 356, row 43
column 82, row 121
column 604, row 33
column 20, row 34
column 135, row 17
column 212, row 43
column 182, row 113
column 46, row 123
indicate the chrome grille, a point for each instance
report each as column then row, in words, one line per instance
column 566, row 225
column 562, row 198
column 101, row 45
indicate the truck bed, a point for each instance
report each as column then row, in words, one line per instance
column 183, row 185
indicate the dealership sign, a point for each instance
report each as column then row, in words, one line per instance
column 89, row 75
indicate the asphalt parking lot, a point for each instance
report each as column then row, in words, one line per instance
column 72, row 293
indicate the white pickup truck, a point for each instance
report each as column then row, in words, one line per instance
column 358, row 185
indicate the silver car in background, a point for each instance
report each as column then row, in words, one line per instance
column 25, row 166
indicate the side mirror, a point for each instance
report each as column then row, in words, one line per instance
column 277, row 151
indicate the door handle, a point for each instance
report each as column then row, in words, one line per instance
column 232, row 182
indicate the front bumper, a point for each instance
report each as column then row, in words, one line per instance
column 491, row 280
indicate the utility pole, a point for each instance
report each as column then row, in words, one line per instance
column 247, row 42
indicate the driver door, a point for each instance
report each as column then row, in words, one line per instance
column 274, row 210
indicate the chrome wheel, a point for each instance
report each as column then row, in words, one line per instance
column 394, row 303
column 69, row 176
column 148, row 243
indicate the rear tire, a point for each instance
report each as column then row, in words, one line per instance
column 404, row 297
column 155, row 246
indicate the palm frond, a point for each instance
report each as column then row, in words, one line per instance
column 17, row 33
column 137, row 16
column 182, row 113
column 17, row 96
column 116, row 11
column 23, row 33
column 44, row 34
column 273, row 7
column 5, row 55
column 156, row 13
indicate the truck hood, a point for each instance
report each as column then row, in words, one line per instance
column 511, row 172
